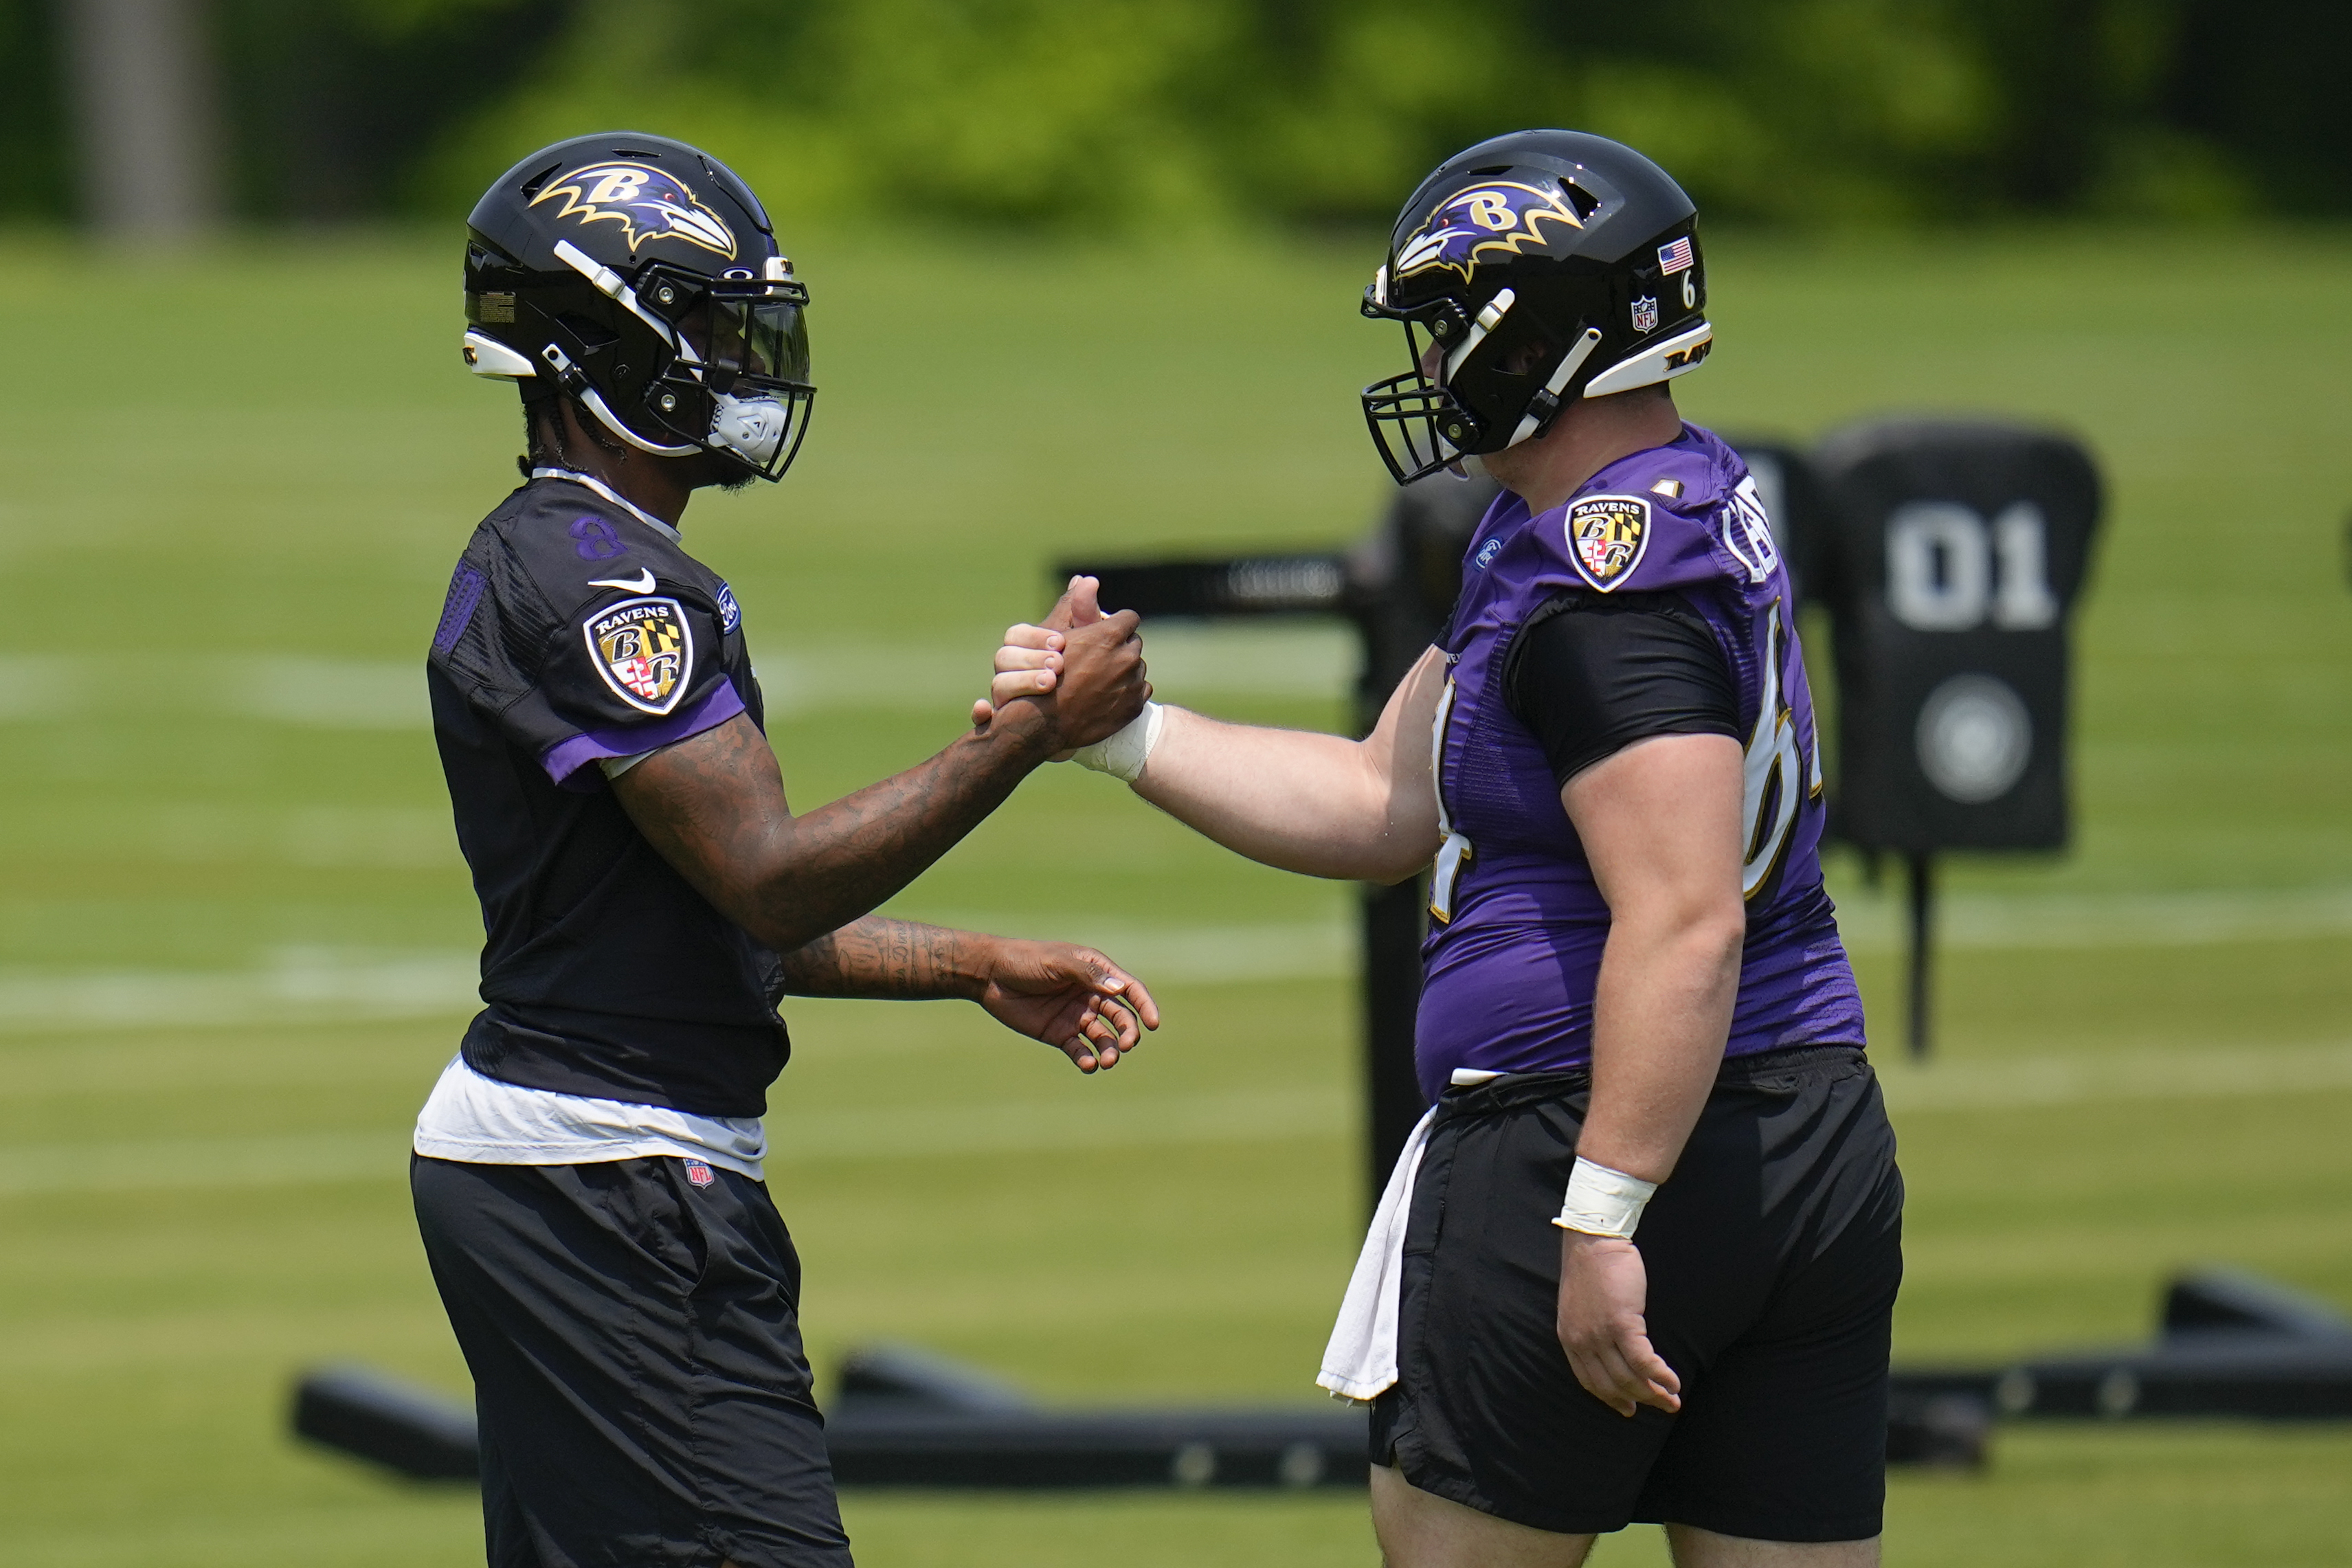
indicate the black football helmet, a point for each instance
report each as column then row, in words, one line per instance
column 1531, row 269
column 642, row 278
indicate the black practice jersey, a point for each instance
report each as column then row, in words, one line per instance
column 574, row 632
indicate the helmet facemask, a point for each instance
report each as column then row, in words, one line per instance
column 737, row 379
column 731, row 369
column 1478, row 383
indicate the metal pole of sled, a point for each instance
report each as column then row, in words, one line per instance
column 1923, row 912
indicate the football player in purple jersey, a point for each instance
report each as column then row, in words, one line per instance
column 1639, row 1260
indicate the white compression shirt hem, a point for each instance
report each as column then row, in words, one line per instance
column 479, row 1121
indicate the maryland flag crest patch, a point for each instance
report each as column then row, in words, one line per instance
column 644, row 649
column 1606, row 536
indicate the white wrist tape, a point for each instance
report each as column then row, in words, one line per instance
column 1122, row 755
column 1603, row 1202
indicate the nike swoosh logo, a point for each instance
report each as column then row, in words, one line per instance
column 642, row 582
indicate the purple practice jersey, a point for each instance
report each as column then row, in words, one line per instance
column 1517, row 926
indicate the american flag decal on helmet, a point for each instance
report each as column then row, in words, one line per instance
column 1675, row 257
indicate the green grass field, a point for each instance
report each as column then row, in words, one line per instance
column 235, row 934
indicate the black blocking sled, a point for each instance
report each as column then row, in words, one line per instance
column 2229, row 1346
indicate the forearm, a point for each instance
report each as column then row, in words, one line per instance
column 900, row 960
column 714, row 807
column 1303, row 802
column 841, row 861
column 1662, row 1013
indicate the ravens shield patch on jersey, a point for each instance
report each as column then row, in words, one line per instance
column 1606, row 536
column 644, row 649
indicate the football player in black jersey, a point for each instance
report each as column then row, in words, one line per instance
column 588, row 1170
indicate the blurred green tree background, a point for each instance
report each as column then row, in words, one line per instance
column 1129, row 114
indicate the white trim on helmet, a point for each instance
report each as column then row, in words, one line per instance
column 1652, row 364
column 1488, row 319
column 1569, row 363
column 610, row 284
column 485, row 355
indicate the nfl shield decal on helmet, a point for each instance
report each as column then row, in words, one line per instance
column 644, row 649
column 1645, row 314
column 698, row 1173
column 1606, row 536
column 647, row 203
column 1501, row 216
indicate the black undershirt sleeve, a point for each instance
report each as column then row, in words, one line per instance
column 1590, row 676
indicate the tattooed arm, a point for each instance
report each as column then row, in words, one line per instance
column 714, row 807
column 1049, row 991
column 884, row 958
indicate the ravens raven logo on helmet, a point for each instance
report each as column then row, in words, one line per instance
column 647, row 203
column 1499, row 215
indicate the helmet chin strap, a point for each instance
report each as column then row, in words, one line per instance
column 595, row 401
column 752, row 428
column 1569, row 364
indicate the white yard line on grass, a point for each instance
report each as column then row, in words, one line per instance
column 2023, row 1082
column 326, row 985
column 907, row 1132
column 1981, row 920
column 1094, row 1122
column 319, row 691
column 300, row 985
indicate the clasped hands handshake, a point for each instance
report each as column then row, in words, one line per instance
column 1083, row 671
column 1078, row 662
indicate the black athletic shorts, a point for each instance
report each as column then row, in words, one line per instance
column 636, row 1346
column 1773, row 1254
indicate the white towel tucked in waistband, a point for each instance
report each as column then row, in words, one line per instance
column 1360, row 1361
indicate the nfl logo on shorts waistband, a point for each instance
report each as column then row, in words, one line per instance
column 698, row 1173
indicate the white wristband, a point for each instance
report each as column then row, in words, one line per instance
column 1603, row 1202
column 1122, row 755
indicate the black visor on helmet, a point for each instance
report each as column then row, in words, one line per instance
column 736, row 341
column 763, row 341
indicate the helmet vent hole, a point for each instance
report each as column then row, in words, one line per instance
column 633, row 153
column 531, row 187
